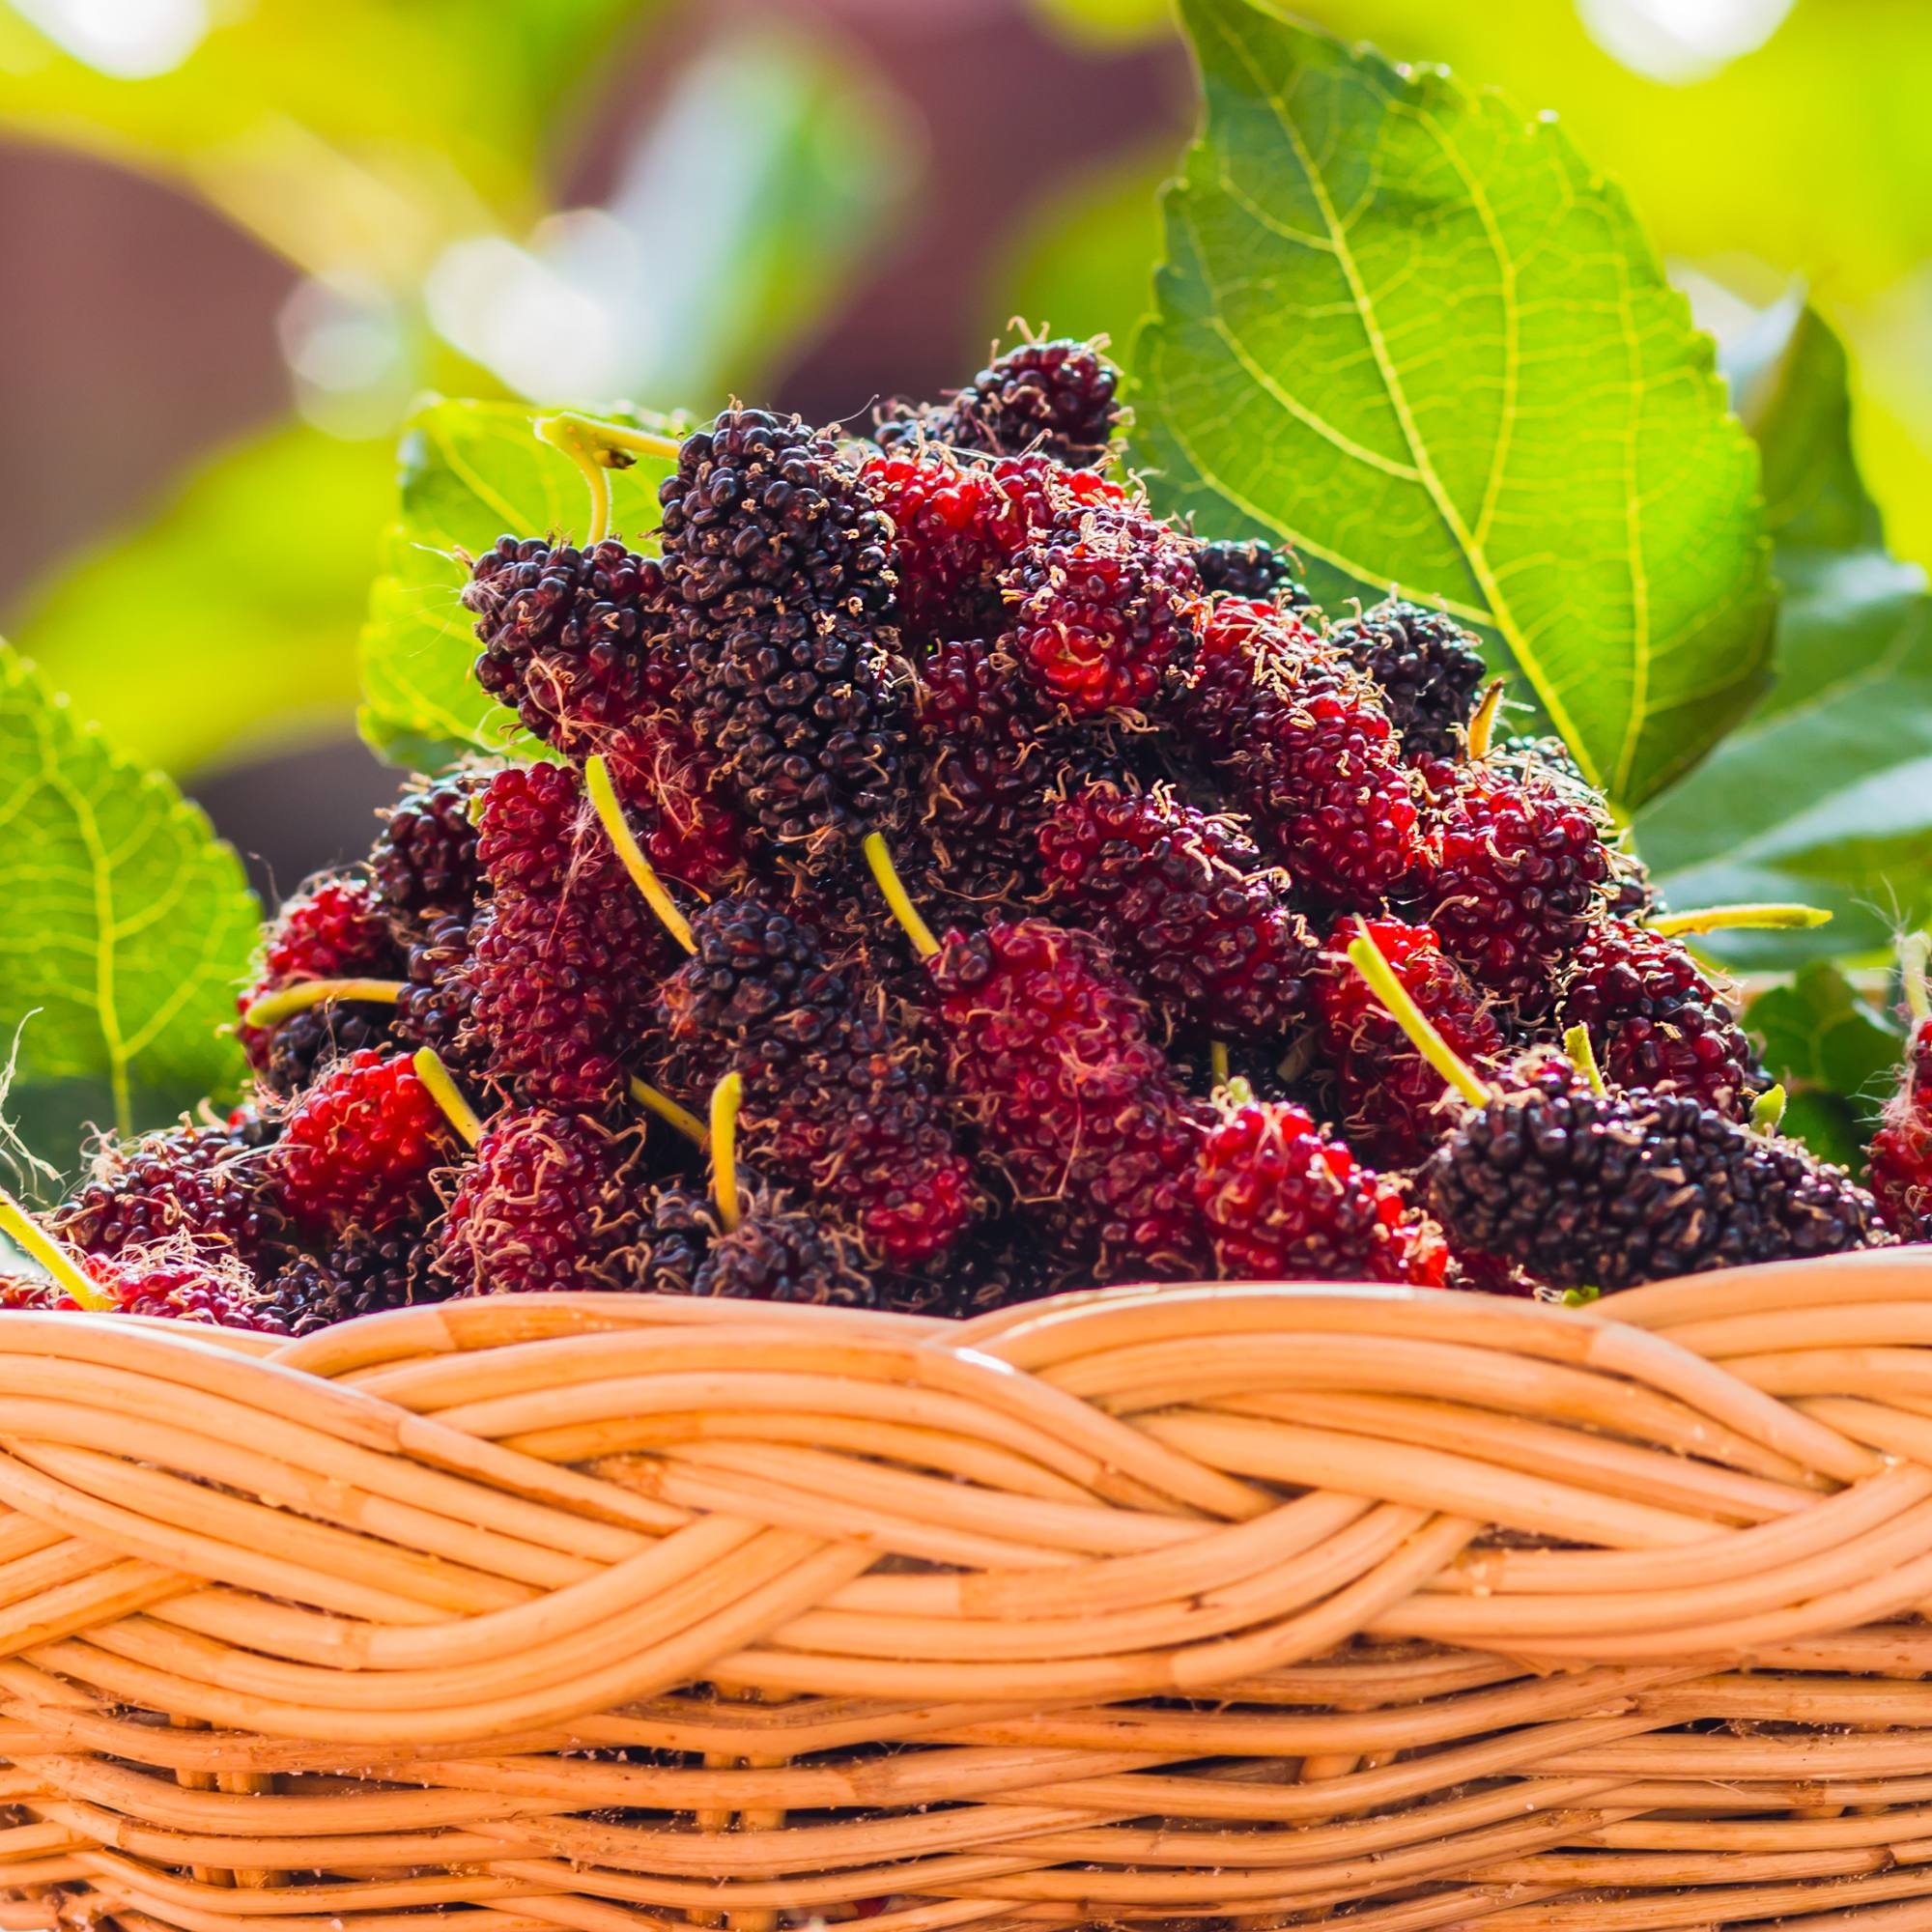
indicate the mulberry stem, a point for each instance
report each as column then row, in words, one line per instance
column 1482, row 725
column 1767, row 1110
column 604, row 796
column 1366, row 956
column 655, row 1100
column 33, row 1240
column 1718, row 918
column 897, row 898
column 1914, row 955
column 447, row 1094
column 1583, row 1057
column 616, row 446
column 1217, row 1062
column 725, row 1098
column 562, row 433
column 272, row 1008
column 597, row 448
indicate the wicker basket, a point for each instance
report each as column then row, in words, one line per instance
column 1273, row 1605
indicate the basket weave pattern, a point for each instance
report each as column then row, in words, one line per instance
column 1289, row 1606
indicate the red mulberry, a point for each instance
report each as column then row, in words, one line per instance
column 1103, row 611
column 1522, row 876
column 1392, row 1101
column 361, row 1146
column 186, row 1290
column 531, row 828
column 687, row 825
column 1548, row 760
column 557, row 991
column 988, row 763
column 1048, row 1058
column 1284, row 1203
column 1901, row 1150
column 548, row 1202
column 1657, row 1020
column 566, row 953
column 335, row 931
column 167, row 1283
column 1246, row 652
column 1186, row 905
column 1308, row 755
column 959, row 526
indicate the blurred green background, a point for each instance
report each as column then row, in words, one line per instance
column 244, row 234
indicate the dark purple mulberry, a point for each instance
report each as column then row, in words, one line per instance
column 365, row 1272
column 1054, row 397
column 1254, row 571
column 1608, row 1191
column 434, row 1007
column 779, row 1253
column 201, row 1181
column 835, row 1100
column 1426, row 667
column 425, row 865
column 566, row 635
column 782, row 569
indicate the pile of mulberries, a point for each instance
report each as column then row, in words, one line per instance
column 940, row 881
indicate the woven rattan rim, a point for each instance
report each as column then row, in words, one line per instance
column 1264, row 1605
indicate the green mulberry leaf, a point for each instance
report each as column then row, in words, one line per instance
column 128, row 923
column 1404, row 329
column 469, row 472
column 1825, row 793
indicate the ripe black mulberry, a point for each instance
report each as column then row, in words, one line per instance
column 1588, row 1190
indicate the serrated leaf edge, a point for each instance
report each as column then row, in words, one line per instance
column 1470, row 542
column 17, row 674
